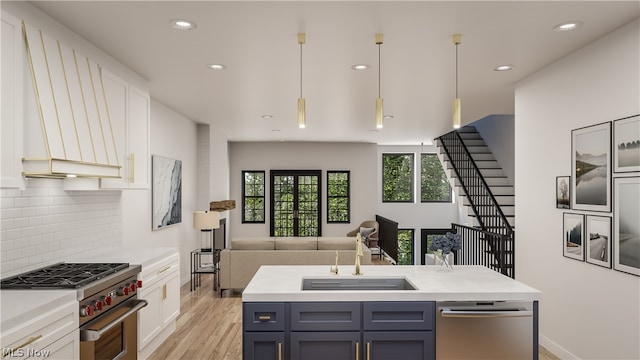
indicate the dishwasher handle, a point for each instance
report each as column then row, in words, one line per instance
column 448, row 312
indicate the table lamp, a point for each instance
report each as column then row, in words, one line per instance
column 206, row 221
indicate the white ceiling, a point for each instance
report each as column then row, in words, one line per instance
column 257, row 41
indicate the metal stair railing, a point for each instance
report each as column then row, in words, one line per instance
column 486, row 248
column 495, row 230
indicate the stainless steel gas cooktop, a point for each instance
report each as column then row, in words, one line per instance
column 62, row 276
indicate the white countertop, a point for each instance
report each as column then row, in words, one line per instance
column 463, row 283
column 20, row 306
column 142, row 255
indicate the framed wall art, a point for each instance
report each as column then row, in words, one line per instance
column 626, row 233
column 563, row 191
column 573, row 236
column 167, row 191
column 591, row 168
column 598, row 237
column 626, row 144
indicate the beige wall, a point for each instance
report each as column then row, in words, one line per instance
column 359, row 158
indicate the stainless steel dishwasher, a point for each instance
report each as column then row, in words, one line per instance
column 487, row 330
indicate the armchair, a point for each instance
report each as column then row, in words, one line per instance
column 370, row 238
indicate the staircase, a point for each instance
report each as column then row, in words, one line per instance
column 487, row 197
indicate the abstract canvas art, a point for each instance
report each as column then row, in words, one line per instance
column 167, row 192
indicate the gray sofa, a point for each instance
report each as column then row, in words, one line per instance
column 242, row 260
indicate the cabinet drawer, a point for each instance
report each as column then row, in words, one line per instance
column 323, row 316
column 398, row 315
column 263, row 316
column 158, row 270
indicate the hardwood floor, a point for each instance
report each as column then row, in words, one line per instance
column 210, row 326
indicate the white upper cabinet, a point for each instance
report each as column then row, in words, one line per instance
column 138, row 139
column 11, row 102
column 128, row 108
column 64, row 114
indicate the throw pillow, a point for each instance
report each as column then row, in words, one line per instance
column 365, row 232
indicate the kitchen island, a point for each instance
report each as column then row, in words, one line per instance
column 306, row 312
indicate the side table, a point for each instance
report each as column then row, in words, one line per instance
column 198, row 267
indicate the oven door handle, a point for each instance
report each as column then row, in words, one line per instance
column 93, row 335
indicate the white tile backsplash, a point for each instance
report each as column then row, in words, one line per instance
column 44, row 224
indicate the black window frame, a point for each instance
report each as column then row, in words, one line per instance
column 245, row 196
column 413, row 246
column 347, row 196
column 412, row 177
column 450, row 200
column 296, row 201
column 424, row 240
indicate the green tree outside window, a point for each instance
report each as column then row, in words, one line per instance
column 397, row 177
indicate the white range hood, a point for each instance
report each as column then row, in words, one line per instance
column 68, row 131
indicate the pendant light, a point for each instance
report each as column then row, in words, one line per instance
column 456, row 102
column 379, row 102
column 302, row 116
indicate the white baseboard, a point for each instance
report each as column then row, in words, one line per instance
column 556, row 349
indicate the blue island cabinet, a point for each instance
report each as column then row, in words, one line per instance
column 263, row 327
column 339, row 330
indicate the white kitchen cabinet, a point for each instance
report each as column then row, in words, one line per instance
column 49, row 332
column 64, row 348
column 161, row 289
column 11, row 102
column 129, row 110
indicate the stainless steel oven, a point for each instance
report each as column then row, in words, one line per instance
column 113, row 335
column 109, row 319
column 108, row 300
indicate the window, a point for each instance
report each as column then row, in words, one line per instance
column 338, row 197
column 397, row 177
column 426, row 236
column 253, row 197
column 405, row 246
column 434, row 186
column 295, row 203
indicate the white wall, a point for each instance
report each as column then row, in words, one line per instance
column 175, row 137
column 587, row 311
column 44, row 224
column 359, row 158
column 415, row 215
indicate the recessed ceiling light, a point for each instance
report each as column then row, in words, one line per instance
column 360, row 67
column 388, row 117
column 267, row 116
column 183, row 24
column 503, row 68
column 216, row 66
column 275, row 130
column 567, row 26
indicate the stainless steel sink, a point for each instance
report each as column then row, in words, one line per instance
column 364, row 283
